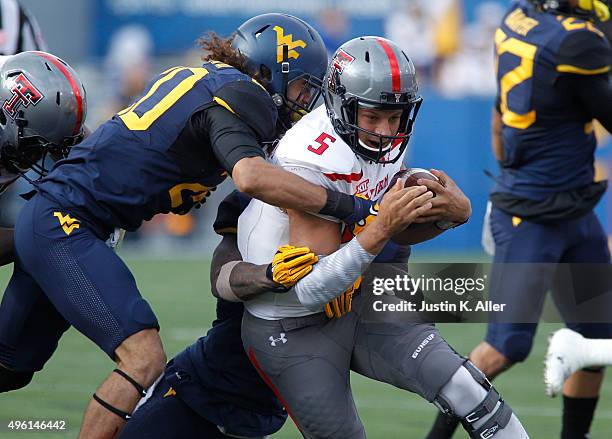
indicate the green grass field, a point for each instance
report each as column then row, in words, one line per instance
column 179, row 293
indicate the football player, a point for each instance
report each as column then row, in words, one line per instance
column 165, row 153
column 553, row 67
column 356, row 143
column 35, row 129
column 211, row 389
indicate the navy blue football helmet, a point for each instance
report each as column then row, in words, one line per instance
column 590, row 9
column 282, row 49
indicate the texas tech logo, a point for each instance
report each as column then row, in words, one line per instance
column 341, row 60
column 23, row 93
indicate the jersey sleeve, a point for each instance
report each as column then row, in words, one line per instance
column 226, row 222
column 252, row 104
column 585, row 52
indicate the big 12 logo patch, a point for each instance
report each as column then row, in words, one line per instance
column 23, row 93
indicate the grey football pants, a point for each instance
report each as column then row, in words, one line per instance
column 306, row 360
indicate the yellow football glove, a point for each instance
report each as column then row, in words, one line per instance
column 342, row 304
column 600, row 8
column 290, row 264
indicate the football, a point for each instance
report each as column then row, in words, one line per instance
column 413, row 233
column 411, row 175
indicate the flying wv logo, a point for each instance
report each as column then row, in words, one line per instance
column 67, row 223
column 286, row 40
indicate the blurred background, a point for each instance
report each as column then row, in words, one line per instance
column 118, row 45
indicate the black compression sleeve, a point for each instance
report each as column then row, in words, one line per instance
column 228, row 212
column 230, row 137
column 594, row 93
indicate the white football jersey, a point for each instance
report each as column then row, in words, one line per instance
column 312, row 150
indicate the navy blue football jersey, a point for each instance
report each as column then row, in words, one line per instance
column 547, row 134
column 166, row 151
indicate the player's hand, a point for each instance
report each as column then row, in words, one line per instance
column 290, row 264
column 342, row 304
column 449, row 204
column 401, row 206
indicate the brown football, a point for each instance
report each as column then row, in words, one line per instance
column 411, row 175
column 412, row 234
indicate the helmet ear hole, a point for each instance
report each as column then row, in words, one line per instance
column 2, row 118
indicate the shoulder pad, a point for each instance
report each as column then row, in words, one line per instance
column 584, row 52
column 250, row 102
column 226, row 222
column 312, row 143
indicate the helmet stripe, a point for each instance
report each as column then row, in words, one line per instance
column 395, row 71
column 73, row 85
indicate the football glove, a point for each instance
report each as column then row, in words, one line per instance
column 290, row 264
column 600, row 8
column 342, row 304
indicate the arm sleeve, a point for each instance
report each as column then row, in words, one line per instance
column 333, row 275
column 230, row 137
column 226, row 222
column 584, row 53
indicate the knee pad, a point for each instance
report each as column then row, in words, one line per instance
column 470, row 397
column 12, row 380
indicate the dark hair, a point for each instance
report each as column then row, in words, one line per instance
column 220, row 49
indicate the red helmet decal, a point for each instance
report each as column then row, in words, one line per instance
column 23, row 93
column 341, row 60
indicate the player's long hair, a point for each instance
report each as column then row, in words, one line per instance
column 220, row 49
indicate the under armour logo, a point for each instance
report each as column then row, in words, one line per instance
column 273, row 340
column 286, row 40
column 489, row 432
column 68, row 224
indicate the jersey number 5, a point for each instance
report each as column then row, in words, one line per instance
column 321, row 140
column 526, row 52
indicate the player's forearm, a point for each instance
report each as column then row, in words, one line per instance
column 273, row 185
column 231, row 278
column 242, row 281
column 6, row 246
